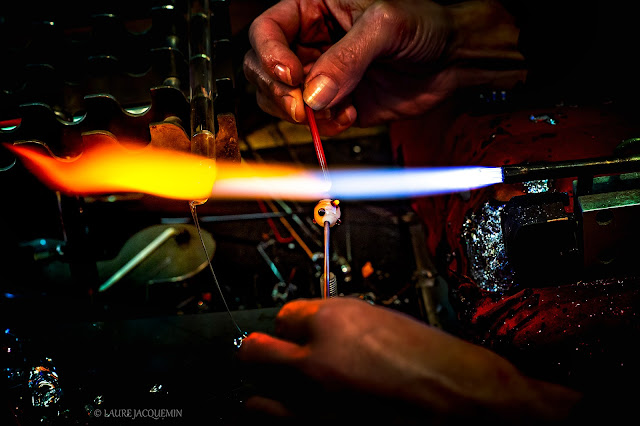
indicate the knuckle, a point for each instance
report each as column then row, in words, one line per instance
column 384, row 13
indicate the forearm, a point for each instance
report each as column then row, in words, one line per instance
column 531, row 402
column 469, row 381
column 549, row 403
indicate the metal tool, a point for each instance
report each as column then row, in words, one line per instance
column 562, row 169
column 327, row 214
column 157, row 254
column 138, row 258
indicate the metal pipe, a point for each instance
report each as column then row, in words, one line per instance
column 267, row 259
column 138, row 258
column 564, row 169
column 326, row 277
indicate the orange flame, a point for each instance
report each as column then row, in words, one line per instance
column 112, row 168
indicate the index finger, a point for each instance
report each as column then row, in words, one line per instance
column 294, row 319
column 261, row 348
column 270, row 35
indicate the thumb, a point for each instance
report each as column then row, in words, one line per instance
column 339, row 70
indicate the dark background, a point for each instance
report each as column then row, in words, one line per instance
column 116, row 346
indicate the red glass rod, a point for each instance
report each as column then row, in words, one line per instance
column 317, row 143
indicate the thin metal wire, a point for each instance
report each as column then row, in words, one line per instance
column 194, row 214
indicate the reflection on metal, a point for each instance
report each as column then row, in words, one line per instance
column 158, row 254
column 201, row 79
column 485, row 249
column 226, row 142
column 570, row 168
column 425, row 274
column 536, row 186
column 266, row 258
column 44, row 384
column 539, row 236
column 169, row 135
column 543, row 118
column 330, row 287
column 237, row 342
column 326, row 276
column 327, row 214
column 139, row 258
column 609, row 222
column 5, row 168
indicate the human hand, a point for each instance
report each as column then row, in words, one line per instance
column 331, row 358
column 367, row 62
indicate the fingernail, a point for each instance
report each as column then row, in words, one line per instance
column 320, row 91
column 290, row 104
column 284, row 74
column 346, row 116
